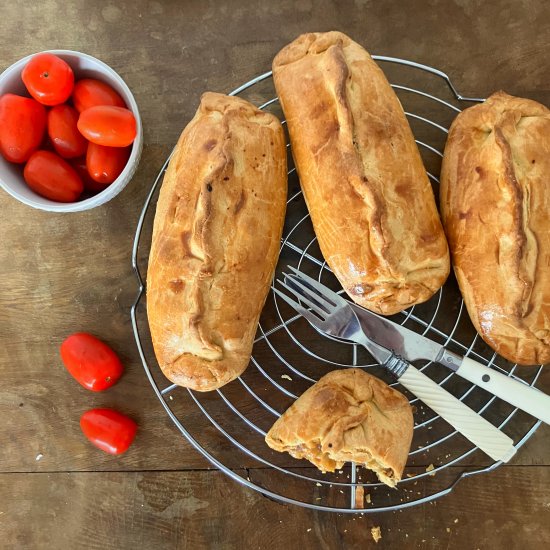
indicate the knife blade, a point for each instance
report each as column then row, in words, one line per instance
column 401, row 340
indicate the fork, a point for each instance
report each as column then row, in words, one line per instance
column 332, row 314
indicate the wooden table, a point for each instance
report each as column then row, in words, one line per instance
column 62, row 273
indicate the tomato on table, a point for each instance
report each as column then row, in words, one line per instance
column 90, row 361
column 62, row 129
column 52, row 177
column 90, row 92
column 105, row 164
column 48, row 79
column 22, row 125
column 108, row 125
column 108, row 430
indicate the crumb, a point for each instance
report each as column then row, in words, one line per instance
column 39, row 456
column 407, row 535
column 345, row 530
column 341, row 491
column 448, row 529
column 456, row 520
column 318, row 498
column 367, row 498
column 340, row 472
column 430, row 427
column 410, row 475
column 319, row 484
column 171, row 398
column 360, row 497
column 376, row 535
column 286, row 377
column 308, row 530
column 430, row 468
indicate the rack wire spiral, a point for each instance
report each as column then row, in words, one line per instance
column 228, row 426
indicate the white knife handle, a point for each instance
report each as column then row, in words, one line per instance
column 470, row 424
column 520, row 395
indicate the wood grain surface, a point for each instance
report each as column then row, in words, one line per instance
column 62, row 273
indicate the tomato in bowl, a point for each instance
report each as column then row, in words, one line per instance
column 87, row 68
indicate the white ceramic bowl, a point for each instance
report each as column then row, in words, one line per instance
column 84, row 66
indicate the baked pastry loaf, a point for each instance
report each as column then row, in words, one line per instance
column 495, row 203
column 216, row 240
column 348, row 415
column 371, row 204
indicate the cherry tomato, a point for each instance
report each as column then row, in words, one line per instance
column 91, row 362
column 67, row 140
column 52, row 177
column 108, row 430
column 48, row 78
column 107, row 125
column 89, row 92
column 22, row 125
column 90, row 185
column 105, row 164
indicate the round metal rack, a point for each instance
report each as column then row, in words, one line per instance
column 228, row 426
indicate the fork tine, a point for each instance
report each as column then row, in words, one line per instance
column 320, row 288
column 313, row 319
column 304, row 290
column 304, row 298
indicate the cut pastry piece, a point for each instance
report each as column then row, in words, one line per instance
column 348, row 415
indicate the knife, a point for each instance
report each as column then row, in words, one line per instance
column 413, row 346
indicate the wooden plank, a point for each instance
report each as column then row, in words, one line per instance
column 509, row 508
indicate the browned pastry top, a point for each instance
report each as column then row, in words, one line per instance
column 216, row 240
column 367, row 191
column 495, row 202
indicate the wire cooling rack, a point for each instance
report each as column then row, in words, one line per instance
column 228, row 426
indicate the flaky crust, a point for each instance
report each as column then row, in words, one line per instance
column 495, row 203
column 348, row 415
column 216, row 241
column 367, row 191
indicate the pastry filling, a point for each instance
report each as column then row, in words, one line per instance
column 328, row 461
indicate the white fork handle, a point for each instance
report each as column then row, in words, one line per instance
column 512, row 391
column 470, row 424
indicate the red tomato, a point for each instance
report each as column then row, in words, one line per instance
column 22, row 125
column 62, row 129
column 107, row 125
column 108, row 430
column 105, row 164
column 91, row 362
column 90, row 185
column 89, row 92
column 48, row 78
column 52, row 177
